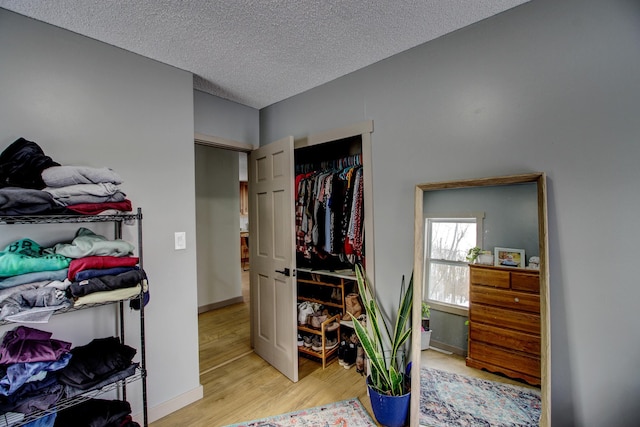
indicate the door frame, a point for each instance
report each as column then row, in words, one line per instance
column 231, row 145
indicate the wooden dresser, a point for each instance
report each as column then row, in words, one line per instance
column 504, row 321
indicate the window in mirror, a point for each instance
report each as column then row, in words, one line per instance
column 447, row 244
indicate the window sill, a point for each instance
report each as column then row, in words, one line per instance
column 448, row 308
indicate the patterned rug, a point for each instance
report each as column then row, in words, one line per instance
column 347, row 413
column 448, row 400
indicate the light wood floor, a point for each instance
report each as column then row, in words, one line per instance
column 240, row 386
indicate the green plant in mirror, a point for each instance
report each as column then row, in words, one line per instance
column 426, row 310
column 384, row 349
column 473, row 253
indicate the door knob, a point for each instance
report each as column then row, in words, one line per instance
column 286, row 272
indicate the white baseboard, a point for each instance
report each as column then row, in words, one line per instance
column 442, row 346
column 219, row 304
column 170, row 406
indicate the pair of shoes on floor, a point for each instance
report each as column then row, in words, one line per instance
column 347, row 354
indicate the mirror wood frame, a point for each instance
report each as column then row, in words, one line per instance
column 538, row 178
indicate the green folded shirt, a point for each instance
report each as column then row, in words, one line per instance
column 26, row 256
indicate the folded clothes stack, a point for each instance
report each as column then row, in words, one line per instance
column 36, row 281
column 37, row 371
column 32, row 183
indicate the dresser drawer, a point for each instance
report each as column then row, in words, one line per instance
column 506, row 338
column 488, row 277
column 518, row 362
column 525, row 282
column 504, row 298
column 503, row 318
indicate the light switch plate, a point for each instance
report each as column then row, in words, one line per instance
column 180, row 240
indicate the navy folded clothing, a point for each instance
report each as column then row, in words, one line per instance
column 127, row 279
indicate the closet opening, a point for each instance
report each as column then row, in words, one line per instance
column 329, row 242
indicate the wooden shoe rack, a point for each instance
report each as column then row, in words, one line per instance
column 318, row 286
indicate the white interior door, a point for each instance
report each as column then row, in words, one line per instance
column 271, row 227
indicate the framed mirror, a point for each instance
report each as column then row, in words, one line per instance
column 428, row 198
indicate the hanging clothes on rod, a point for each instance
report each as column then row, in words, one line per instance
column 329, row 214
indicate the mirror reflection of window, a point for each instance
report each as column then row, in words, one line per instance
column 447, row 244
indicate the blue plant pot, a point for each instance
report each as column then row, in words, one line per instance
column 390, row 411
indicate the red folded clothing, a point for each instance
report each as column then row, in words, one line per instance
column 96, row 208
column 100, row 262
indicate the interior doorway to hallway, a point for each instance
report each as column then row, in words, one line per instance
column 222, row 255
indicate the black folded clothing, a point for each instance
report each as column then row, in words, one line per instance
column 95, row 413
column 22, row 163
column 92, row 363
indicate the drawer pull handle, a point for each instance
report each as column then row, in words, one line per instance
column 516, row 299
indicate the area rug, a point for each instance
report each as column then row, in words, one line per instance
column 453, row 400
column 346, row 413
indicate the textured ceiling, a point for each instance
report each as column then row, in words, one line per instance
column 258, row 52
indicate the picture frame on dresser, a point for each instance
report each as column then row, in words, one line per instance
column 509, row 257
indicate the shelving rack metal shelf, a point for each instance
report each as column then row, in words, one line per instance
column 141, row 374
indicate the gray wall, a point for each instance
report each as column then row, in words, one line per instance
column 547, row 86
column 219, row 117
column 88, row 103
column 217, row 225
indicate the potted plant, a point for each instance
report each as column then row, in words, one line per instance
column 387, row 382
column 425, row 331
column 473, row 253
column 480, row 256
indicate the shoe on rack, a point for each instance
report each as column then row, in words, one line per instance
column 304, row 310
column 300, row 341
column 331, row 327
column 316, row 343
column 331, row 343
column 317, row 319
column 307, row 341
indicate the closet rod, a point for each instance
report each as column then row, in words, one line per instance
column 341, row 163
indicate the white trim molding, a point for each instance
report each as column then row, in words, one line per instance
column 174, row 404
